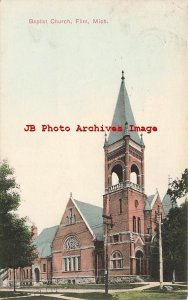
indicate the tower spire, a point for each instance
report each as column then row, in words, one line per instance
column 122, row 114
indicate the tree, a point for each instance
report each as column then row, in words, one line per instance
column 174, row 242
column 174, row 235
column 174, row 232
column 178, row 187
column 155, row 256
column 16, row 248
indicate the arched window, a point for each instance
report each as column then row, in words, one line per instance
column 37, row 275
column 139, row 263
column 116, row 260
column 135, row 174
column 134, row 224
column 117, row 174
column 71, row 243
column 139, row 225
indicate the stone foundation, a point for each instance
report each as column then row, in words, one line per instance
column 19, row 283
column 129, row 278
column 74, row 280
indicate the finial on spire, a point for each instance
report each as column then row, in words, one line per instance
column 122, row 77
column 70, row 195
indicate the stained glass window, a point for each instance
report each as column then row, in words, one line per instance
column 71, row 243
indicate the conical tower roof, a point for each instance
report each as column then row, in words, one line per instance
column 122, row 114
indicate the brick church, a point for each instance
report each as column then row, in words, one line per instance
column 117, row 237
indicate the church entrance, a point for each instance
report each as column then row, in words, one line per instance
column 139, row 263
column 37, row 275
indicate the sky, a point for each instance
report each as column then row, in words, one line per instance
column 69, row 73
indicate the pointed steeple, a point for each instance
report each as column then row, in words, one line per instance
column 122, row 115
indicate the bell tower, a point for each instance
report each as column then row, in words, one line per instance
column 124, row 196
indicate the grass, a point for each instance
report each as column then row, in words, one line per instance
column 21, row 295
column 4, row 294
column 130, row 295
column 144, row 295
column 139, row 295
column 175, row 287
column 36, row 298
column 87, row 286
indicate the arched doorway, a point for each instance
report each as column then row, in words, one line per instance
column 37, row 275
column 139, row 263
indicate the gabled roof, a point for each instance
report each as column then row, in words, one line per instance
column 92, row 215
column 123, row 113
column 44, row 240
column 167, row 203
column 150, row 201
column 147, row 206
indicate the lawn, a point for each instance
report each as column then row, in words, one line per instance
column 4, row 294
column 139, row 295
column 144, row 295
column 33, row 298
column 89, row 286
column 21, row 295
column 174, row 287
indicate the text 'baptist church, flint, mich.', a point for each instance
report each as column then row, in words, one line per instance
column 75, row 250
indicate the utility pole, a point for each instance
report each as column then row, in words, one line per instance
column 160, row 253
column 107, row 223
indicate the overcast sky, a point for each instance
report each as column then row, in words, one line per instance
column 69, row 74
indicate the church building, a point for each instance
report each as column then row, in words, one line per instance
column 92, row 241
